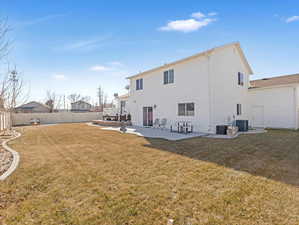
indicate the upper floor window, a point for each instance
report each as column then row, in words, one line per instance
column 186, row 109
column 239, row 109
column 168, row 76
column 139, row 84
column 240, row 78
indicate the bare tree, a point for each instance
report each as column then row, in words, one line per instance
column 77, row 97
column 105, row 100
column 100, row 97
column 74, row 97
column 53, row 100
column 12, row 92
column 86, row 99
column 3, row 92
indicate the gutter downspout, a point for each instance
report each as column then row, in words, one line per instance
column 209, row 94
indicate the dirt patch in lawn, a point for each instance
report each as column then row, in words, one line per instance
column 78, row 174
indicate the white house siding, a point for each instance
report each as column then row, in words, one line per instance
column 279, row 106
column 226, row 93
column 202, row 80
column 188, row 87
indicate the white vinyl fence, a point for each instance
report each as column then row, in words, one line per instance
column 4, row 121
column 50, row 118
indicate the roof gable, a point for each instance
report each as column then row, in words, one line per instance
column 33, row 104
column 275, row 81
column 81, row 102
column 236, row 44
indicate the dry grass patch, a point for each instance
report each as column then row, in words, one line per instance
column 77, row 174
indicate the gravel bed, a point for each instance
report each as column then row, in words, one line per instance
column 5, row 159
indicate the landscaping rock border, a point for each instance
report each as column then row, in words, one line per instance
column 15, row 155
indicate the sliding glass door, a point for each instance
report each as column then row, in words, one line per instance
column 147, row 116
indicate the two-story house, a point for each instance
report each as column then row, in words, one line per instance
column 206, row 89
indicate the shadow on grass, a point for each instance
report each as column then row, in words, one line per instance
column 274, row 155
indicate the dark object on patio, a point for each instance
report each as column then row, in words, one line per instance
column 117, row 117
column 183, row 127
column 242, row 125
column 221, row 129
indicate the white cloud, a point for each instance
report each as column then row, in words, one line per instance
column 292, row 19
column 212, row 14
column 197, row 21
column 99, row 68
column 188, row 25
column 59, row 76
column 198, row 15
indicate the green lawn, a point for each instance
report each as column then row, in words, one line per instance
column 78, row 174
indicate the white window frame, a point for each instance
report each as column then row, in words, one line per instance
column 186, row 112
column 139, row 84
column 241, row 79
column 167, row 76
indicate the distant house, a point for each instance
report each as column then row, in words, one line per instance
column 33, row 107
column 81, row 106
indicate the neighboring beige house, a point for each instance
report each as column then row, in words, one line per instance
column 33, row 107
column 275, row 102
column 206, row 89
column 81, row 106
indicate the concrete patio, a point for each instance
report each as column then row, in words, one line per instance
column 173, row 136
column 156, row 133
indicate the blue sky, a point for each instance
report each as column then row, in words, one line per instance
column 74, row 46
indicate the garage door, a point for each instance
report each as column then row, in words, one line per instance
column 258, row 116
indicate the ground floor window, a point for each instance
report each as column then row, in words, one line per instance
column 186, row 109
